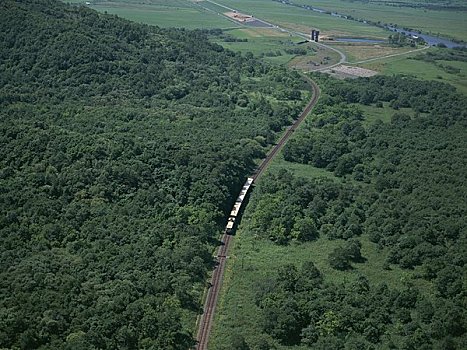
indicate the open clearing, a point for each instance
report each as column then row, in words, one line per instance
column 163, row 13
column 274, row 46
column 272, row 43
column 204, row 14
column 300, row 20
column 322, row 59
column 265, row 42
column 343, row 71
column 422, row 70
column 258, row 33
column 358, row 52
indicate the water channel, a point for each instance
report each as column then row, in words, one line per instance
column 429, row 39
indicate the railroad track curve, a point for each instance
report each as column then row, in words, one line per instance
column 205, row 321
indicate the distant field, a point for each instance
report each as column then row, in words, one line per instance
column 422, row 70
column 448, row 23
column 272, row 44
column 164, row 13
column 266, row 42
column 322, row 59
column 302, row 20
column 204, row 14
column 261, row 41
column 360, row 52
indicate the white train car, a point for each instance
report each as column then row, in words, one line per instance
column 238, row 205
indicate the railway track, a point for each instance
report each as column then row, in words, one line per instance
column 280, row 144
column 207, row 317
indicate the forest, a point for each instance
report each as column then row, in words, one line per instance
column 400, row 184
column 122, row 147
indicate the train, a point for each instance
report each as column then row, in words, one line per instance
column 229, row 228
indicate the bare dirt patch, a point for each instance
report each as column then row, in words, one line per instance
column 343, row 71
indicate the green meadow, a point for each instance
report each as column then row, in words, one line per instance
column 422, row 70
column 357, row 52
column 447, row 23
column 384, row 113
column 274, row 46
column 301, row 20
column 260, row 41
column 164, row 13
column 204, row 14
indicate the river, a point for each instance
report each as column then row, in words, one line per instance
column 429, row 39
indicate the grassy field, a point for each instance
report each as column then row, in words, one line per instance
column 164, row 13
column 422, row 70
column 301, row 20
column 271, row 44
column 384, row 114
column 447, row 23
column 301, row 170
column 203, row 14
column 323, row 58
column 358, row 52
column 261, row 41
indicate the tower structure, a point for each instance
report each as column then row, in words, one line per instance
column 314, row 35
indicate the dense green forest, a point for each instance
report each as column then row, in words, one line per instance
column 402, row 186
column 121, row 148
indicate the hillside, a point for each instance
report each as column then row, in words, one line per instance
column 121, row 148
